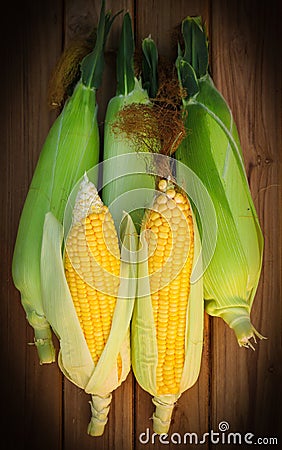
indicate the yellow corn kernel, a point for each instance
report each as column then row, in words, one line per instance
column 170, row 266
column 92, row 265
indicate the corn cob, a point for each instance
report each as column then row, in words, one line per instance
column 71, row 147
column 88, row 297
column 167, row 327
column 212, row 150
column 90, row 262
column 121, row 179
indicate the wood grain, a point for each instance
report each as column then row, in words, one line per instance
column 248, row 73
column 241, row 387
column 31, row 394
column 161, row 19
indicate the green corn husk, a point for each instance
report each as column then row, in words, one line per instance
column 118, row 187
column 150, row 58
column 212, row 150
column 143, row 330
column 71, row 148
column 74, row 357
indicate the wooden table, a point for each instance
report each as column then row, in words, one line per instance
column 39, row 406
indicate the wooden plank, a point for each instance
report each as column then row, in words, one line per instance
column 31, row 394
column 161, row 18
column 13, row 344
column 246, row 391
column 245, row 386
column 80, row 17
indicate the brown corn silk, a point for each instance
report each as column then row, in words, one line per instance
column 157, row 125
column 67, row 71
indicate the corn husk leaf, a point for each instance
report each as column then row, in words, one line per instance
column 150, row 67
column 118, row 186
column 71, row 148
column 212, row 150
column 74, row 358
column 59, row 167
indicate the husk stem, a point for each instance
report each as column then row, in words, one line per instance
column 239, row 321
column 163, row 412
column 42, row 337
column 100, row 407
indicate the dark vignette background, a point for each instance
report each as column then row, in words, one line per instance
column 26, row 28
